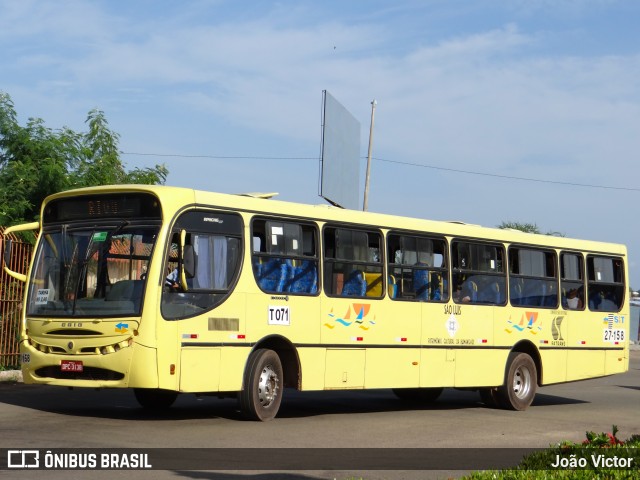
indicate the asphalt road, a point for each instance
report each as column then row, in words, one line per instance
column 52, row 418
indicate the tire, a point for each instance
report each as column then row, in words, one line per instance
column 489, row 396
column 521, row 380
column 422, row 395
column 155, row 398
column 263, row 386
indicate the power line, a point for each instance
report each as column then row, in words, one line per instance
column 495, row 175
column 398, row 162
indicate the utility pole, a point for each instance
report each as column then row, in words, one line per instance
column 366, row 183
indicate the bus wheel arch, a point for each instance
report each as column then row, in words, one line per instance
column 521, row 378
column 288, row 357
column 530, row 349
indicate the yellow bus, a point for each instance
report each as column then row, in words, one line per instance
column 170, row 290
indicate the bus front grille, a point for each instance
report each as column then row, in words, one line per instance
column 88, row 373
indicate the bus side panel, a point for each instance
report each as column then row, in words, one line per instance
column 618, row 327
column 585, row 364
column 396, row 325
column 616, row 361
column 293, row 317
column 199, row 369
column 312, row 362
column 168, row 353
column 437, row 367
column 480, row 367
column 344, row 368
column 554, row 365
column 437, row 362
column 472, row 333
column 392, row 368
column 232, row 365
column 209, row 360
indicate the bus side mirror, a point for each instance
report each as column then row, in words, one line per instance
column 8, row 246
column 7, row 252
column 188, row 264
column 189, row 261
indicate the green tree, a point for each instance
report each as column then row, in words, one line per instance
column 528, row 228
column 36, row 161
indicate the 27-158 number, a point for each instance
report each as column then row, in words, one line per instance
column 614, row 335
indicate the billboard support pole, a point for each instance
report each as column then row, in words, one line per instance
column 365, row 205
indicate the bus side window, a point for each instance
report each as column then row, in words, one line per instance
column 352, row 263
column 419, row 267
column 284, row 256
column 478, row 273
column 533, row 277
column 572, row 281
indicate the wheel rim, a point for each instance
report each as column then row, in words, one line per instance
column 522, row 382
column 268, row 386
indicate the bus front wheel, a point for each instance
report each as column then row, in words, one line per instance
column 262, row 393
column 155, row 398
column 520, row 384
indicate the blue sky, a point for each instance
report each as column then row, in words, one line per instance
column 539, row 89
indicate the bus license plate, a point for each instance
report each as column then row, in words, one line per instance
column 71, row 366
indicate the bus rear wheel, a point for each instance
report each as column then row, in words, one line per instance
column 520, row 384
column 155, row 398
column 262, row 394
column 422, row 395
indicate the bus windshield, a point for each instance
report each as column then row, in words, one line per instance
column 96, row 271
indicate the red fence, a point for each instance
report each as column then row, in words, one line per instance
column 11, row 298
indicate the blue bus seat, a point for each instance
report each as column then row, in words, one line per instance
column 421, row 284
column 303, row 277
column 355, row 285
column 272, row 275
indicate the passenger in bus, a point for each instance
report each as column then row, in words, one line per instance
column 457, row 293
column 469, row 291
column 609, row 302
column 574, row 302
column 466, row 292
column 172, row 279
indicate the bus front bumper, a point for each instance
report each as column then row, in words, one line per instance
column 134, row 366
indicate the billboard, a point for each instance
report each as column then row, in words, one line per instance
column 340, row 156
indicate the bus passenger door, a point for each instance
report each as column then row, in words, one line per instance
column 438, row 358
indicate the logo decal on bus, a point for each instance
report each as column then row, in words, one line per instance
column 612, row 332
column 452, row 325
column 555, row 328
column 360, row 310
column 612, row 320
column 528, row 321
column 122, row 327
